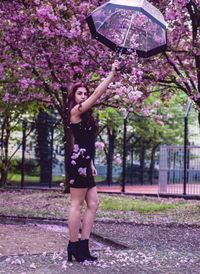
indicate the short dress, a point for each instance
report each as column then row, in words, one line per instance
column 79, row 160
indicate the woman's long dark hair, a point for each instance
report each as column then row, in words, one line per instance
column 87, row 116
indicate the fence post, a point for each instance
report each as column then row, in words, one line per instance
column 124, row 154
column 51, row 157
column 185, row 147
column 23, row 152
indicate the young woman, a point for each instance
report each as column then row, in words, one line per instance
column 80, row 166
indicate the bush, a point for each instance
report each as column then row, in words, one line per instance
column 31, row 167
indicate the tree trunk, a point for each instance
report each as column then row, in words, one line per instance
column 5, row 164
column 111, row 142
column 4, row 176
column 43, row 150
column 68, row 146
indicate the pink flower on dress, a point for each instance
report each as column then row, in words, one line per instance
column 74, row 156
column 73, row 162
column 71, row 181
column 83, row 171
column 76, row 148
column 82, row 150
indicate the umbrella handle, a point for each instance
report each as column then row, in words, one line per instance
column 121, row 66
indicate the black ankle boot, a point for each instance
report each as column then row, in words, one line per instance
column 73, row 248
column 84, row 247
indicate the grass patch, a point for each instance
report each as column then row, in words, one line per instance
column 127, row 204
column 139, row 209
column 31, row 213
column 13, row 177
column 102, row 179
column 112, row 216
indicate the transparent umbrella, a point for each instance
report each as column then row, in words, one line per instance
column 128, row 26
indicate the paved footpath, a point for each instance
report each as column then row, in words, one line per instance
column 121, row 247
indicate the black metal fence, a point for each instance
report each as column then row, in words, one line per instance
column 130, row 155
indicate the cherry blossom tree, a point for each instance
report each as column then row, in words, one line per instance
column 45, row 47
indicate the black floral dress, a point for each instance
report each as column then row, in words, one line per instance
column 79, row 160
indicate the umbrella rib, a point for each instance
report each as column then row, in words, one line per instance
column 128, row 30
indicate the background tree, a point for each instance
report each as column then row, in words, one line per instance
column 11, row 120
column 45, row 124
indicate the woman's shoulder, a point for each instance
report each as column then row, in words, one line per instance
column 74, row 119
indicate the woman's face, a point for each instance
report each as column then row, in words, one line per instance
column 80, row 95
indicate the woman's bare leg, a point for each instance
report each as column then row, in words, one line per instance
column 77, row 199
column 92, row 201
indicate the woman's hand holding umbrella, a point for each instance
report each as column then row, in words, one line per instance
column 115, row 66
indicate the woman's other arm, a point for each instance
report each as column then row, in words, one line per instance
column 94, row 171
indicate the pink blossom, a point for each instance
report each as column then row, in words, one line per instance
column 156, row 104
column 6, row 97
column 117, row 159
column 160, row 123
column 33, row 266
column 124, row 111
column 24, row 83
column 146, row 112
column 159, row 117
column 71, row 181
column 169, row 116
column 73, row 162
column 99, row 145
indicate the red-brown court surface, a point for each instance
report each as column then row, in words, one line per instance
column 130, row 189
column 193, row 189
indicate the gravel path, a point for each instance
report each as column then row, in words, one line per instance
column 160, row 237
column 151, row 249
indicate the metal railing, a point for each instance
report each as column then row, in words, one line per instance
column 179, row 170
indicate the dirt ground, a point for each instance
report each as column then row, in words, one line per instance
column 150, row 249
column 124, row 241
column 34, row 239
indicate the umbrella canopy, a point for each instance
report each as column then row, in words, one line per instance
column 129, row 25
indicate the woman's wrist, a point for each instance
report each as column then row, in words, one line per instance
column 112, row 72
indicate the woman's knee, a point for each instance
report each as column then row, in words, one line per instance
column 94, row 205
column 76, row 205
